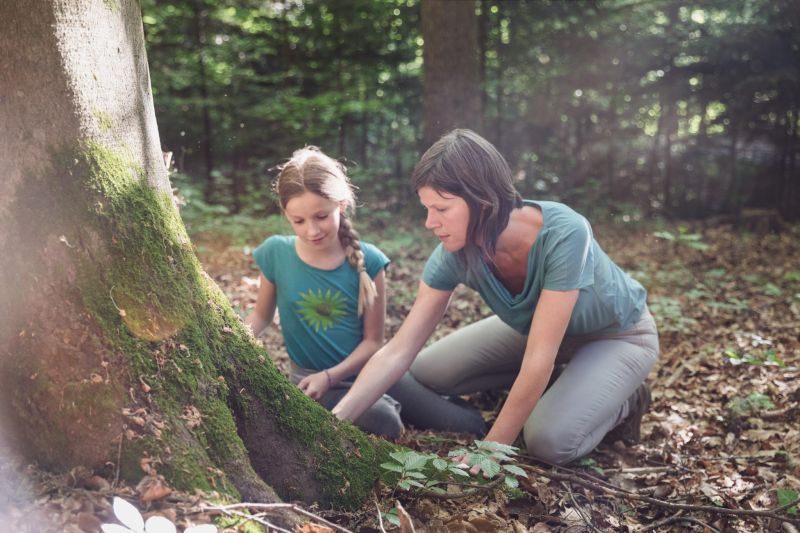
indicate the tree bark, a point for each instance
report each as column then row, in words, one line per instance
column 452, row 67
column 113, row 342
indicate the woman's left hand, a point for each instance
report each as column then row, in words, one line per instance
column 316, row 385
column 463, row 462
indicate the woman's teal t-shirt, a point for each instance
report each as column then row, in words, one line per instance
column 318, row 308
column 564, row 256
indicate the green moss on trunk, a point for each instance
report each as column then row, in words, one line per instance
column 150, row 298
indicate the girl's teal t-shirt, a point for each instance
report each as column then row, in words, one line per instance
column 318, row 308
column 565, row 256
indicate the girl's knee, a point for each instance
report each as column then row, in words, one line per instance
column 382, row 419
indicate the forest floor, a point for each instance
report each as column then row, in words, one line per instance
column 720, row 446
column 721, row 434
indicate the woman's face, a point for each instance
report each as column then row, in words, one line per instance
column 448, row 217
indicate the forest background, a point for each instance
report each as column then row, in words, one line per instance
column 672, row 125
column 625, row 109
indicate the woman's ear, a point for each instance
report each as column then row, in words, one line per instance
column 342, row 207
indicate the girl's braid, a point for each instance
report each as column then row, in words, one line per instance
column 355, row 256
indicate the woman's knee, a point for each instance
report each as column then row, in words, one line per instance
column 554, row 444
column 430, row 373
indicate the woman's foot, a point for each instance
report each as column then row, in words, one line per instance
column 629, row 430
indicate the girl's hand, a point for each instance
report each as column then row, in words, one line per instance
column 316, row 385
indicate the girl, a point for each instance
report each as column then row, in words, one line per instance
column 559, row 302
column 328, row 287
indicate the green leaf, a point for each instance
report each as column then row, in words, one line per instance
column 391, row 517
column 440, row 464
column 699, row 246
column 770, row 289
column 514, row 469
column 400, row 457
column 458, row 471
column 794, row 275
column 457, row 453
column 511, row 482
column 496, row 447
column 392, row 467
column 500, row 456
column 415, row 461
column 785, row 496
column 489, row 467
column 417, row 475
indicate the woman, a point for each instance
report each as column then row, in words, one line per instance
column 558, row 301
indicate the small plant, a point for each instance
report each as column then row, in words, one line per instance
column 431, row 473
column 786, row 496
column 770, row 358
column 793, row 275
column 770, row 289
column 751, row 405
column 733, row 304
column 692, row 240
column 391, row 517
column 493, row 458
column 591, row 464
column 670, row 315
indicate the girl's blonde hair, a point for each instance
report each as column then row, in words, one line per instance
column 310, row 170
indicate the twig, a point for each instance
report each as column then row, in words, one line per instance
column 786, row 505
column 578, row 510
column 462, row 494
column 663, row 522
column 253, row 518
column 641, row 470
column 693, row 520
column 610, row 489
column 278, row 507
column 380, row 518
column 119, row 459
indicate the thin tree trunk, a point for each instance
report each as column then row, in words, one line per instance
column 206, row 139
column 668, row 136
column 732, row 201
column 652, row 167
column 452, row 67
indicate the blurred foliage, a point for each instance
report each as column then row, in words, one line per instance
column 625, row 108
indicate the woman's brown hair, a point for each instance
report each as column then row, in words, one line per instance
column 465, row 164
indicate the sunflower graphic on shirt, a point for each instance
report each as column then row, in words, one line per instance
column 321, row 310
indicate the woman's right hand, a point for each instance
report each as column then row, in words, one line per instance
column 389, row 364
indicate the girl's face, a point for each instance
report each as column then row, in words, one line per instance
column 448, row 217
column 315, row 220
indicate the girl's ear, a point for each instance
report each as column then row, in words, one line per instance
column 342, row 207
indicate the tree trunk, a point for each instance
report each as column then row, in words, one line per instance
column 113, row 342
column 452, row 67
column 207, row 139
